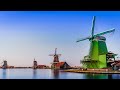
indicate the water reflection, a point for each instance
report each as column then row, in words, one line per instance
column 34, row 73
column 110, row 76
column 97, row 76
column 50, row 74
column 4, row 74
column 115, row 76
column 55, row 73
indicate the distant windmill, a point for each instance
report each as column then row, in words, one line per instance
column 34, row 64
column 56, row 56
column 4, row 66
column 98, row 49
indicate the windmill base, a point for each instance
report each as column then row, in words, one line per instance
column 93, row 65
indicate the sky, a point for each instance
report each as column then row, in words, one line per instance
column 25, row 35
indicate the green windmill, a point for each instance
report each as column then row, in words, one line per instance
column 98, row 49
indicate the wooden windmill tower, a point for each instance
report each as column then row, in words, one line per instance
column 97, row 57
column 56, row 58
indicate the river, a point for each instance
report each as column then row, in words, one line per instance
column 50, row 74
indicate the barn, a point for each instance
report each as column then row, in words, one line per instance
column 60, row 65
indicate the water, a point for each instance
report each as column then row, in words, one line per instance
column 50, row 74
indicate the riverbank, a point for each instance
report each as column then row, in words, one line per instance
column 93, row 71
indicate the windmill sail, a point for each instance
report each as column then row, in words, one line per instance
column 93, row 26
column 55, row 51
column 103, row 33
column 83, row 39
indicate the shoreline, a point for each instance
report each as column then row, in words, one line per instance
column 103, row 71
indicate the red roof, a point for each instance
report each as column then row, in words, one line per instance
column 59, row 64
column 41, row 66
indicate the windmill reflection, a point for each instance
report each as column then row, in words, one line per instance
column 97, row 76
column 4, row 74
column 55, row 73
column 34, row 73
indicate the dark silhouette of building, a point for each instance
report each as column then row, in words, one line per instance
column 34, row 64
column 5, row 66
